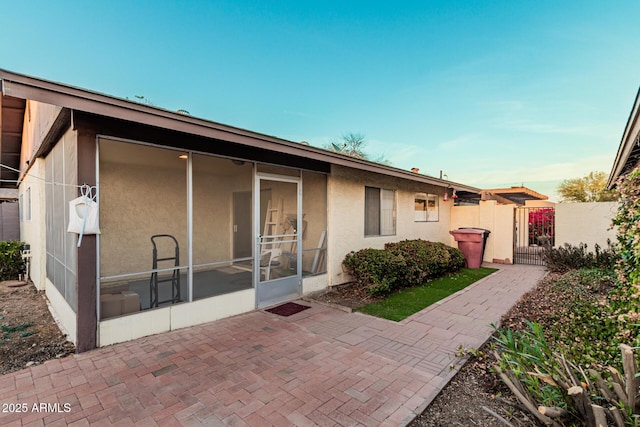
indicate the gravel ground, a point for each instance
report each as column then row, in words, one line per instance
column 29, row 335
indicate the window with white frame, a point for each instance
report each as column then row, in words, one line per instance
column 426, row 207
column 379, row 212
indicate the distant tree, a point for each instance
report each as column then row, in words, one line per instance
column 353, row 144
column 590, row 188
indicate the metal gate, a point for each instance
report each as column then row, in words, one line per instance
column 535, row 230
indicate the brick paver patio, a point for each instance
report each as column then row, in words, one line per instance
column 322, row 367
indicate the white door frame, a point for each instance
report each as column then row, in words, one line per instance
column 278, row 290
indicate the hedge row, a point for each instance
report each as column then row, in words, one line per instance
column 402, row 264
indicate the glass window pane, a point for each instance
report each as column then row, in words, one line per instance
column 371, row 211
column 420, row 207
column 432, row 208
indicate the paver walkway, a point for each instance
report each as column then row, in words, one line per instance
column 322, row 366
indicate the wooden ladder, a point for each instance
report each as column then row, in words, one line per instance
column 271, row 223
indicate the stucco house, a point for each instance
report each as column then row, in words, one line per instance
column 197, row 220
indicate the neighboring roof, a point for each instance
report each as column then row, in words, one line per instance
column 629, row 150
column 24, row 87
column 517, row 195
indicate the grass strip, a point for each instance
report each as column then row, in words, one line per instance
column 406, row 302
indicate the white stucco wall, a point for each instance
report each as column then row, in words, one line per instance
column 588, row 223
column 493, row 217
column 38, row 118
column 33, row 231
column 346, row 215
column 61, row 311
column 539, row 204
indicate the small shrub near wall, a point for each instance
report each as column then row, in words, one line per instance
column 11, row 262
column 426, row 260
column 379, row 270
column 402, row 264
column 569, row 257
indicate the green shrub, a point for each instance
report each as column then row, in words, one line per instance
column 569, row 257
column 426, row 260
column 380, row 271
column 628, row 222
column 403, row 264
column 11, row 262
column 456, row 261
column 586, row 327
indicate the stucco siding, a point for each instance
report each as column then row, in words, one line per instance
column 588, row 223
column 493, row 217
column 38, row 118
column 346, row 215
column 33, row 231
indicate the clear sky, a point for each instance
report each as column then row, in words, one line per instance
column 493, row 93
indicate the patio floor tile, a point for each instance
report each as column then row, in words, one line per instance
column 322, row 366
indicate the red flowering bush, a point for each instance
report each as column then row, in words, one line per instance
column 542, row 226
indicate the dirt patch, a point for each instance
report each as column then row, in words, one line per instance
column 347, row 295
column 471, row 396
column 28, row 333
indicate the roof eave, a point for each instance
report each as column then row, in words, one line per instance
column 74, row 98
column 627, row 144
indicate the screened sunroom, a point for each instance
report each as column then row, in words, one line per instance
column 181, row 226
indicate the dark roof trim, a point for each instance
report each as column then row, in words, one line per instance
column 60, row 125
column 74, row 98
column 629, row 148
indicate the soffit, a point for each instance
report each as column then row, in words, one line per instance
column 11, row 124
column 628, row 154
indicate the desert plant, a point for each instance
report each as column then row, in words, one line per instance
column 558, row 392
column 11, row 262
column 569, row 257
